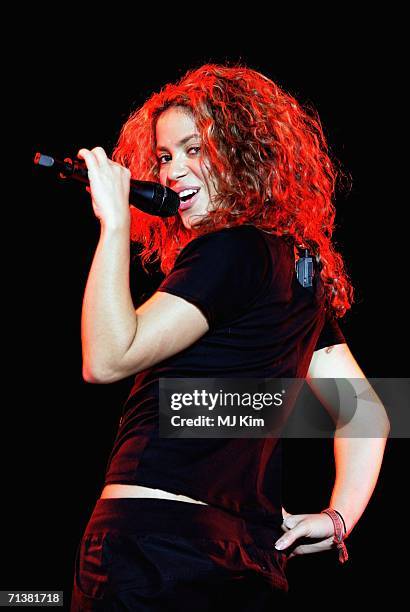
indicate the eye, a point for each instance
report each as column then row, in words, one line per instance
column 161, row 157
column 162, row 160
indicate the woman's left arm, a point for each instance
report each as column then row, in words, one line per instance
column 358, row 457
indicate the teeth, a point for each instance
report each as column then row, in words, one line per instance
column 187, row 192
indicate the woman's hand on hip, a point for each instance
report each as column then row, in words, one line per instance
column 306, row 533
column 109, row 187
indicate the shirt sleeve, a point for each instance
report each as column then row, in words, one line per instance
column 222, row 273
column 331, row 334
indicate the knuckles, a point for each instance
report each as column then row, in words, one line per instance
column 100, row 156
column 98, row 150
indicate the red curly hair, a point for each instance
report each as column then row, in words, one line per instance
column 270, row 158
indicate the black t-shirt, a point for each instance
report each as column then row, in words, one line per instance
column 262, row 324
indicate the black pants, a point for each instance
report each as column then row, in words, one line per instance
column 154, row 555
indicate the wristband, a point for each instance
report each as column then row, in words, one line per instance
column 344, row 524
column 338, row 537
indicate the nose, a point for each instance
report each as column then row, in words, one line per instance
column 176, row 168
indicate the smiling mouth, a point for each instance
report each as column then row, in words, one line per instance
column 187, row 202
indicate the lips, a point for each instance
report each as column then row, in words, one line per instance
column 189, row 203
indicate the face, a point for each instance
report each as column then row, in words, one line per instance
column 182, row 166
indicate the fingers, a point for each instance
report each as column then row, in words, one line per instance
column 291, row 520
column 97, row 158
column 101, row 155
column 284, row 513
column 305, row 534
column 307, row 549
column 296, row 531
column 94, row 159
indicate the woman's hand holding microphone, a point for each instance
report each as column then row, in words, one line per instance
column 109, row 188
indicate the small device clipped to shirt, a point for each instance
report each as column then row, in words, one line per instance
column 304, row 268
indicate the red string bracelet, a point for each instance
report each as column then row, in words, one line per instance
column 338, row 538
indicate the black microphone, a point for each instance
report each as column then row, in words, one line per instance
column 148, row 196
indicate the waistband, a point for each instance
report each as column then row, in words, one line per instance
column 172, row 517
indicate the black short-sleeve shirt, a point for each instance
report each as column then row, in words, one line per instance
column 262, row 323
column 222, row 273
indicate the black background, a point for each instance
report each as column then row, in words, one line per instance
column 76, row 91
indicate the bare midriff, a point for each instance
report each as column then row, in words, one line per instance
column 123, row 490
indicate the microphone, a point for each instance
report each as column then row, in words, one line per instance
column 148, row 196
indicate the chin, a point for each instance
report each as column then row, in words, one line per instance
column 189, row 220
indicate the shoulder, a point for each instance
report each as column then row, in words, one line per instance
column 238, row 238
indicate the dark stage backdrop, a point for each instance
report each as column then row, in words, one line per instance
column 63, row 428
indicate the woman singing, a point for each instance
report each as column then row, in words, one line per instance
column 181, row 523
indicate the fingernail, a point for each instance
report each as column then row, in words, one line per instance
column 280, row 544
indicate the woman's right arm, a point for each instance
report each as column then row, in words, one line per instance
column 117, row 340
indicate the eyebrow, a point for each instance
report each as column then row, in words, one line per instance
column 181, row 142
